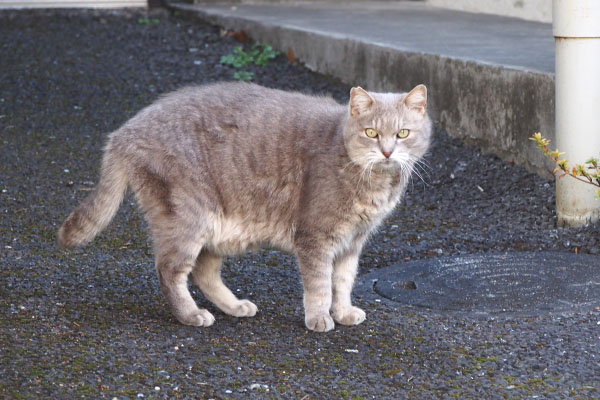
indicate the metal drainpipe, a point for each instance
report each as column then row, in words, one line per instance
column 576, row 26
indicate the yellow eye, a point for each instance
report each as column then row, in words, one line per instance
column 403, row 134
column 370, row 132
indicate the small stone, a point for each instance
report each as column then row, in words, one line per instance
column 164, row 374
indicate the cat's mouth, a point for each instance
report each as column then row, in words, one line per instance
column 388, row 163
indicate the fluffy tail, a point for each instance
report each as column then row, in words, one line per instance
column 98, row 208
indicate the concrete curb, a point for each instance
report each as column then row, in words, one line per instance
column 494, row 107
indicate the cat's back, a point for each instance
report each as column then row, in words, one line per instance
column 255, row 110
column 218, row 125
column 241, row 101
column 244, row 96
column 231, row 113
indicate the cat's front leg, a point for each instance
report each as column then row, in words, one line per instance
column 344, row 273
column 315, row 269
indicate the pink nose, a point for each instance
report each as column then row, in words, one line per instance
column 387, row 154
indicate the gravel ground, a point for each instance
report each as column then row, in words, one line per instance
column 92, row 323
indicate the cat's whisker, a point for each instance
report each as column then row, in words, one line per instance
column 420, row 168
column 348, row 164
column 366, row 171
column 362, row 175
column 407, row 171
column 413, row 172
column 371, row 171
column 417, row 173
column 423, row 164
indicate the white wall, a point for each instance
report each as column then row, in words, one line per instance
column 534, row 10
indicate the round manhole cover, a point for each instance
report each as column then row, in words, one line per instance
column 492, row 283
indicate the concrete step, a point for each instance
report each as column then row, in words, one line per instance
column 490, row 78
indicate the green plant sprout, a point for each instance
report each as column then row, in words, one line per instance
column 258, row 54
column 243, row 75
column 589, row 172
column 148, row 21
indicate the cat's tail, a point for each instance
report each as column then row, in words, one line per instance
column 98, row 209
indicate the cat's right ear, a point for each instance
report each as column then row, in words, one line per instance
column 360, row 101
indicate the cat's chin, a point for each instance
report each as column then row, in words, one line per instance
column 387, row 165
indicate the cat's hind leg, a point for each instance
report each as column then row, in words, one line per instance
column 177, row 240
column 207, row 276
column 174, row 262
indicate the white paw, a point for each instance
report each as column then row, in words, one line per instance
column 198, row 318
column 243, row 308
column 349, row 316
column 319, row 322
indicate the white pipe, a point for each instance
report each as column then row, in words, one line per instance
column 576, row 26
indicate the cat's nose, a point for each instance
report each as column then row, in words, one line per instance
column 387, row 154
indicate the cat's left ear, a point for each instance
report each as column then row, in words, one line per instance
column 416, row 99
column 360, row 101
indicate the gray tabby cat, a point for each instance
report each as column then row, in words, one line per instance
column 223, row 168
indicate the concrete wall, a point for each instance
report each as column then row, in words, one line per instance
column 534, row 10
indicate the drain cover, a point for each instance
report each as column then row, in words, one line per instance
column 492, row 283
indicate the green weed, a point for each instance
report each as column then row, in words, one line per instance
column 148, row 21
column 259, row 54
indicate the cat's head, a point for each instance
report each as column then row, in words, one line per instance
column 387, row 130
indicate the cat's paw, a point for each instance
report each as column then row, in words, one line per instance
column 319, row 322
column 243, row 308
column 197, row 318
column 349, row 316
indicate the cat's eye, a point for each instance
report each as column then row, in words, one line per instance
column 370, row 132
column 403, row 133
